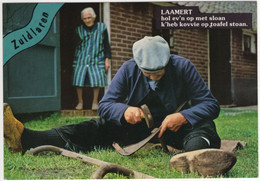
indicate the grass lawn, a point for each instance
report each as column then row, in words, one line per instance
column 231, row 124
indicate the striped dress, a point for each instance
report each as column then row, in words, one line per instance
column 89, row 61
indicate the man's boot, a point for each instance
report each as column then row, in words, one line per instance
column 207, row 162
column 13, row 130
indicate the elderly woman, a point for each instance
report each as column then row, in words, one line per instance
column 91, row 57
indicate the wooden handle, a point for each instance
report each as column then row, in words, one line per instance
column 142, row 116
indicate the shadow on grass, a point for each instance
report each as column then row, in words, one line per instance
column 26, row 117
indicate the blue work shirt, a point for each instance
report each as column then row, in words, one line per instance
column 180, row 82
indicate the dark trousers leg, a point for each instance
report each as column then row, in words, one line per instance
column 31, row 139
column 189, row 139
column 89, row 134
column 83, row 136
column 196, row 143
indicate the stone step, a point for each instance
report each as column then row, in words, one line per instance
column 74, row 113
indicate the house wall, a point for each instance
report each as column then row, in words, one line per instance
column 242, row 67
column 243, row 73
column 129, row 23
column 193, row 44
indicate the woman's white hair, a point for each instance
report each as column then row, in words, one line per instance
column 89, row 9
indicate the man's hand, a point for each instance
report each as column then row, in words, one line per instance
column 133, row 115
column 172, row 122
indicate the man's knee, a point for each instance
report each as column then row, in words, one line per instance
column 196, row 143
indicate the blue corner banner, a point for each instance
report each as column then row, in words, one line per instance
column 32, row 33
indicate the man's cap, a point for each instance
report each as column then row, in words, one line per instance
column 151, row 54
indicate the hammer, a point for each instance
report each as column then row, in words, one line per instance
column 147, row 116
column 130, row 149
column 150, row 123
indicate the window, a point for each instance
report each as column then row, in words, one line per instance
column 171, row 40
column 249, row 42
column 167, row 34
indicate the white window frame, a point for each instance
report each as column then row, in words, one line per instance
column 253, row 41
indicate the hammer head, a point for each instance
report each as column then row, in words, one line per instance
column 147, row 116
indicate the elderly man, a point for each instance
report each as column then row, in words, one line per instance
column 155, row 78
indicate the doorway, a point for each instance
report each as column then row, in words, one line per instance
column 70, row 18
column 220, row 67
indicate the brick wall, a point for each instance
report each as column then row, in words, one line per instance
column 192, row 44
column 242, row 67
column 243, row 73
column 129, row 23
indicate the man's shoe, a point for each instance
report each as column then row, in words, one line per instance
column 207, row 162
column 13, row 130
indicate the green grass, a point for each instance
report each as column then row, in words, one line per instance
column 231, row 124
column 241, row 125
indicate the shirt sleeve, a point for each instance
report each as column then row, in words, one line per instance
column 112, row 106
column 204, row 106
